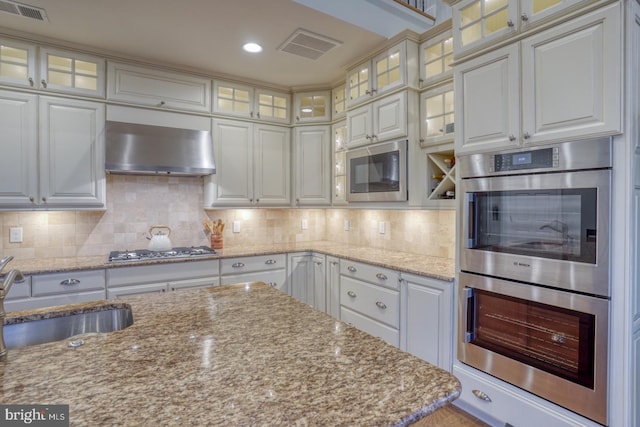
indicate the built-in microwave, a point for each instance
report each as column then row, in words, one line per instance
column 377, row 173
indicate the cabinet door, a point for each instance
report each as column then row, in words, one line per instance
column 533, row 11
column 272, row 168
column 312, row 107
column 233, row 180
column 232, row 99
column 429, row 311
column 71, row 72
column 17, row 63
column 436, row 56
column 72, row 153
column 359, row 84
column 437, row 116
column 359, row 126
column 571, row 79
column 487, row 101
column 478, row 23
column 339, row 101
column 158, row 88
column 300, row 277
column 390, row 69
column 313, row 171
column 18, row 142
column 319, row 283
column 333, row 286
column 272, row 106
column 390, row 117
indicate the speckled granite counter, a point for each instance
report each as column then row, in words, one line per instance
column 231, row 355
column 438, row 268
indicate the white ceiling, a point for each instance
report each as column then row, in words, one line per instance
column 202, row 35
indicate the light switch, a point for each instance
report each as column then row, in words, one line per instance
column 382, row 227
column 305, row 224
column 15, row 234
column 347, row 225
column 236, row 226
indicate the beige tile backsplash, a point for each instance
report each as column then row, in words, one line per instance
column 137, row 202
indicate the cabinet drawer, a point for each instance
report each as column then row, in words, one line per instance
column 374, row 301
column 371, row 273
column 252, row 263
column 377, row 329
column 50, row 301
column 68, row 282
column 205, row 282
column 136, row 290
column 126, row 276
column 274, row 278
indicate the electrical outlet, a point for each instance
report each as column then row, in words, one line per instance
column 382, row 227
column 236, row 226
column 305, row 224
column 15, row 234
column 347, row 225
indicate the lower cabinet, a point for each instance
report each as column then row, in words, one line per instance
column 144, row 279
column 427, row 328
column 307, row 281
column 271, row 269
column 333, row 286
column 45, row 290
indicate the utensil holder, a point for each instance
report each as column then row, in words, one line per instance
column 216, row 241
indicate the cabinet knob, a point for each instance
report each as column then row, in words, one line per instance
column 373, row 91
column 270, row 261
column 31, row 81
column 481, row 395
column 374, row 136
column 257, row 200
column 526, row 135
column 352, row 269
column 273, row 284
column 524, row 17
column 351, row 294
column 251, row 114
column 161, row 104
column 68, row 282
column 32, row 199
column 368, row 136
column 381, row 276
column 381, row 305
column 44, row 83
column 237, row 265
column 44, row 199
column 510, row 23
column 512, row 137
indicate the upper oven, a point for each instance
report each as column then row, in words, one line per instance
column 539, row 215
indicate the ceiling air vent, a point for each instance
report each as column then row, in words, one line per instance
column 307, row 44
column 25, row 10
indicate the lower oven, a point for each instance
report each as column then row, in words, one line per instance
column 550, row 342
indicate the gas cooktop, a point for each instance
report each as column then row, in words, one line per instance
column 145, row 254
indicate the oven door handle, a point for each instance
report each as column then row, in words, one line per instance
column 470, row 219
column 469, row 308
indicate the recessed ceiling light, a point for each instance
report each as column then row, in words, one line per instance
column 252, row 47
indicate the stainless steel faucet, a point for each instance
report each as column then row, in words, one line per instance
column 13, row 276
column 558, row 227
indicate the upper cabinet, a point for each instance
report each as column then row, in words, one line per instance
column 339, row 101
column 562, row 83
column 479, row 23
column 378, row 121
column 253, row 103
column 312, row 107
column 156, row 88
column 52, row 70
column 389, row 70
column 436, row 55
column 437, row 115
column 312, row 166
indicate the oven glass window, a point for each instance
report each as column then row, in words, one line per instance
column 557, row 224
column 554, row 339
column 376, row 173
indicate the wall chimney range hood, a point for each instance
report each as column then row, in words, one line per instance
column 143, row 149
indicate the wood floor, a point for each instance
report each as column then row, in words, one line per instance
column 450, row 416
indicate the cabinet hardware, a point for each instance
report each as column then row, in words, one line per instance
column 510, row 23
column 524, row 17
column 44, row 83
column 381, row 276
column 44, row 199
column 373, row 91
column 481, row 395
column 352, row 269
column 31, row 81
column 351, row 294
column 31, row 199
column 270, row 261
column 161, row 104
column 273, row 284
column 237, row 265
column 68, row 282
column 381, row 305
column 526, row 135
column 512, row 137
column 257, row 200
column 318, row 263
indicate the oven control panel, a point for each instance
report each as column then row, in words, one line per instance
column 524, row 160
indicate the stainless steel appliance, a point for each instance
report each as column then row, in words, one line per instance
column 377, row 173
column 533, row 288
column 146, row 255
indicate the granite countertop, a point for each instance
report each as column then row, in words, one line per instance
column 438, row 268
column 231, row 355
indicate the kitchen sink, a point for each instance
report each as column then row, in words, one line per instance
column 60, row 328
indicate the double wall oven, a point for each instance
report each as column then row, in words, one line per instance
column 534, row 270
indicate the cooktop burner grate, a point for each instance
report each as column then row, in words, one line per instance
column 145, row 254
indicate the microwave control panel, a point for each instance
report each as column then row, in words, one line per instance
column 524, row 160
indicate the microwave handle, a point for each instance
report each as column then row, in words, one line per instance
column 469, row 315
column 470, row 219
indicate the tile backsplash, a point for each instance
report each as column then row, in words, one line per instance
column 135, row 203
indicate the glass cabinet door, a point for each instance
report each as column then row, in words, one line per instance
column 312, row 106
column 17, row 63
column 71, row 72
column 437, row 125
column 435, row 59
column 389, row 69
column 477, row 21
column 358, row 84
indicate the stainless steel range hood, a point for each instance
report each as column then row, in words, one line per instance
column 151, row 150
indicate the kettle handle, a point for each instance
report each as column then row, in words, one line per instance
column 153, row 227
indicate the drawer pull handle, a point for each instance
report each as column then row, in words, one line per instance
column 351, row 294
column 270, row 261
column 352, row 269
column 273, row 284
column 381, row 305
column 237, row 265
column 481, row 395
column 68, row 282
column 381, row 276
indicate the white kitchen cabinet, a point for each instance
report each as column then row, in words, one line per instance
column 310, row 107
column 270, row 269
column 339, row 131
column 46, row 290
column 18, row 63
column 382, row 120
column 370, row 299
column 436, row 56
column 385, row 72
column 427, row 315
column 71, row 72
column 64, row 167
column 570, row 81
column 333, row 286
column 437, row 116
column 481, row 23
column 339, row 101
column 157, row 88
column 252, row 165
column 312, row 169
column 253, row 103
column 307, row 281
